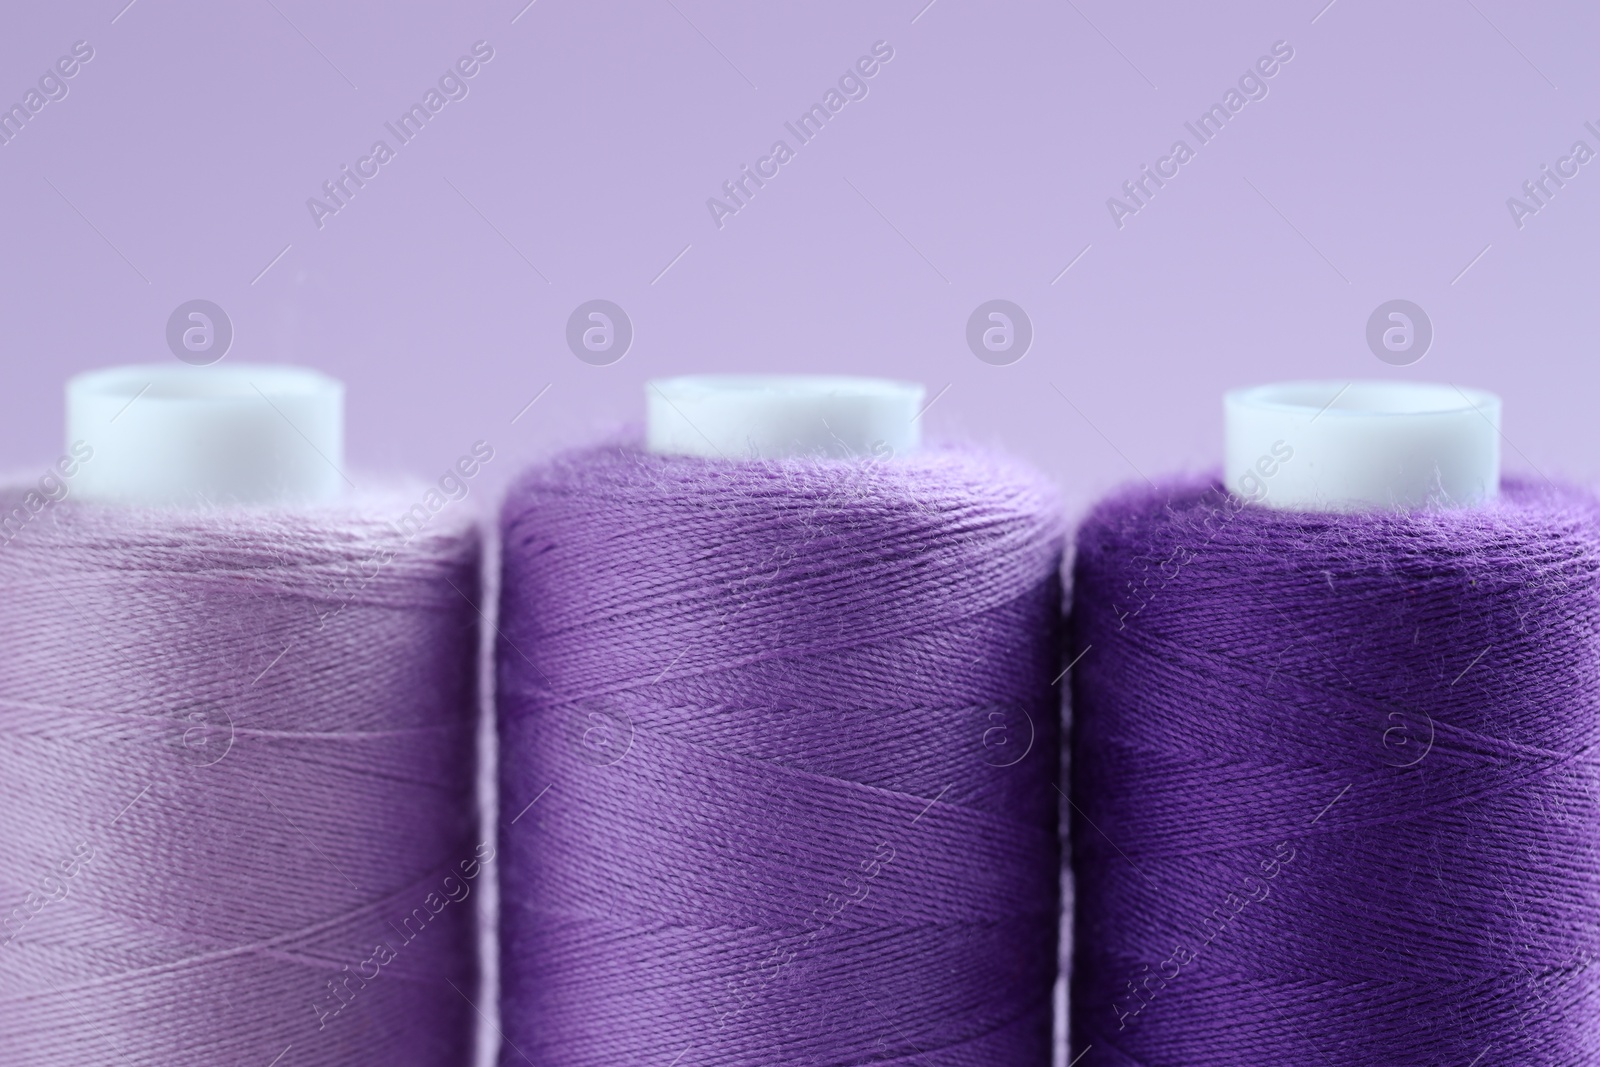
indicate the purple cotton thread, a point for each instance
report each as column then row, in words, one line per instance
column 757, row 804
column 1336, row 783
column 236, row 757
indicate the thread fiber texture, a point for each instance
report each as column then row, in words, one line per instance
column 237, row 757
column 1337, row 783
column 778, row 754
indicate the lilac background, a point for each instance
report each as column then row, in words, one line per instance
column 990, row 142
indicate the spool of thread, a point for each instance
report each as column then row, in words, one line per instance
column 778, row 745
column 237, row 746
column 1334, row 768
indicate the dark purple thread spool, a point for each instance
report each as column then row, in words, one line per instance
column 1336, row 791
column 758, row 804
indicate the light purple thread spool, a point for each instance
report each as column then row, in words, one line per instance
column 237, row 818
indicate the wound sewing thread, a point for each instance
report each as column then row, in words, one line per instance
column 778, row 750
column 238, row 755
column 1336, row 787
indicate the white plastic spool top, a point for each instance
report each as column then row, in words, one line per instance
column 769, row 416
column 172, row 434
column 1345, row 446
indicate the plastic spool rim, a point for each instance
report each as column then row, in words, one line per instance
column 774, row 416
column 240, row 433
column 1356, row 445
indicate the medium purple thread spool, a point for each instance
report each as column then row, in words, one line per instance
column 778, row 741
column 236, row 741
column 1336, row 798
